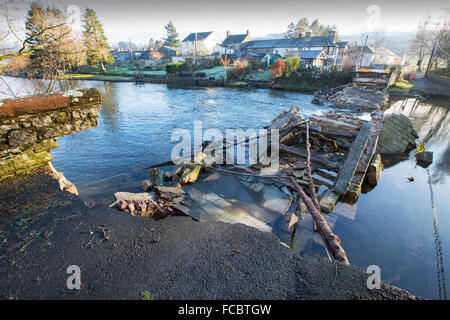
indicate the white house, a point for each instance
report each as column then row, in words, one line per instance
column 200, row 43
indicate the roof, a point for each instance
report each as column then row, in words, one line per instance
column 254, row 54
column 144, row 55
column 288, row 43
column 167, row 48
column 367, row 49
column 310, row 54
column 234, row 39
column 342, row 44
column 200, row 36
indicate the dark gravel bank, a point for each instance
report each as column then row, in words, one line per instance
column 44, row 230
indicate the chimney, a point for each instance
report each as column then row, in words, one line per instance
column 332, row 35
column 248, row 31
column 228, row 33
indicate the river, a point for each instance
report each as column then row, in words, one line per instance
column 403, row 227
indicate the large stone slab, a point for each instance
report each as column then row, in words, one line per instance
column 351, row 161
column 397, row 135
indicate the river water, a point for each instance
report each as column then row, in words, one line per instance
column 403, row 227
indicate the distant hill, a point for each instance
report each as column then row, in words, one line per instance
column 398, row 42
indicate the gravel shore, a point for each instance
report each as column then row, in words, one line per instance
column 44, row 230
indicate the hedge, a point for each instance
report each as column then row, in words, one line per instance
column 175, row 67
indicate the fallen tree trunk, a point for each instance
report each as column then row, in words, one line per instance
column 332, row 240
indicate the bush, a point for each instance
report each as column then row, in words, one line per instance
column 277, row 69
column 175, row 67
column 292, row 64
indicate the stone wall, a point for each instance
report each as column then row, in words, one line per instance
column 29, row 126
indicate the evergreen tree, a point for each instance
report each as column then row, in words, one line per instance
column 290, row 33
column 46, row 30
column 316, row 27
column 301, row 27
column 97, row 48
column 172, row 39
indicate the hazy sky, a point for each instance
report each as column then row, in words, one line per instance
column 140, row 20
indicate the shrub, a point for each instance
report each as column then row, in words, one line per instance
column 175, row 67
column 277, row 69
column 292, row 64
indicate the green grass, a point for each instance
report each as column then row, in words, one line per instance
column 260, row 75
column 403, row 84
column 94, row 76
column 216, row 72
column 145, row 295
column 122, row 70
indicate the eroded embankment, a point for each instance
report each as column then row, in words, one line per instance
column 43, row 230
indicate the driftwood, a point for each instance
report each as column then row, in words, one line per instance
column 333, row 242
column 322, row 161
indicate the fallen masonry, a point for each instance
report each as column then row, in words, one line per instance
column 333, row 155
column 353, row 97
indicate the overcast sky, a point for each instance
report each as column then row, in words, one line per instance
column 140, row 20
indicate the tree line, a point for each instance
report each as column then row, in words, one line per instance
column 295, row 30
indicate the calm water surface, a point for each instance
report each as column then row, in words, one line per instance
column 401, row 226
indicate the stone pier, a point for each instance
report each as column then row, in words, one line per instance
column 29, row 126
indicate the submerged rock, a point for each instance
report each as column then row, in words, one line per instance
column 275, row 199
column 317, row 101
column 146, row 185
column 328, row 201
column 156, row 176
column 424, row 158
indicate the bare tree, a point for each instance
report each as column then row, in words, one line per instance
column 432, row 39
column 45, row 48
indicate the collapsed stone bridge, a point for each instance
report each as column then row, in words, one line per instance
column 29, row 126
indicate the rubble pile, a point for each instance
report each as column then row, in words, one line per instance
column 353, row 97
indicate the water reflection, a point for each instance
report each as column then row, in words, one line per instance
column 110, row 111
column 396, row 226
column 437, row 241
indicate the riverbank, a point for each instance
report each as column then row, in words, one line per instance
column 44, row 230
column 426, row 87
